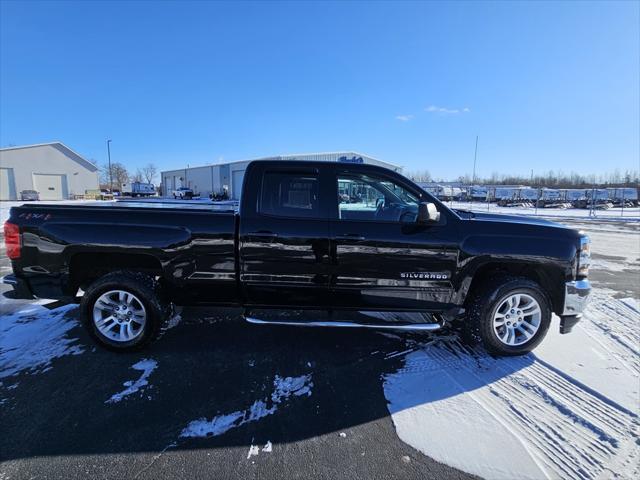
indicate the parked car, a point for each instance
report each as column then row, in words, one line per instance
column 294, row 246
column 28, row 195
column 183, row 192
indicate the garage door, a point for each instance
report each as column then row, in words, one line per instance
column 236, row 185
column 51, row 187
column 7, row 184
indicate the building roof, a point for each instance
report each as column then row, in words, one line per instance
column 342, row 153
column 294, row 156
column 62, row 148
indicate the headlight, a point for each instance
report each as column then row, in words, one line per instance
column 584, row 256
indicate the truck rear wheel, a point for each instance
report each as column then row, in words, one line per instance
column 124, row 310
column 508, row 315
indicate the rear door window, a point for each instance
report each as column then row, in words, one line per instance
column 290, row 195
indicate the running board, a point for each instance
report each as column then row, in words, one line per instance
column 412, row 326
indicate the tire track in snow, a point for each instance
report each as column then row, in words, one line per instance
column 569, row 429
column 570, row 443
column 618, row 321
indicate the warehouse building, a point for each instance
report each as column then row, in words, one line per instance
column 52, row 169
column 229, row 176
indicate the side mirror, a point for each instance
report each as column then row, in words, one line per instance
column 428, row 213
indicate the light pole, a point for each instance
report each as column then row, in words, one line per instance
column 110, row 171
column 473, row 178
column 475, row 157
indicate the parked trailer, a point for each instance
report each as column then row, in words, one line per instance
column 623, row 194
column 138, row 189
column 443, row 192
column 574, row 194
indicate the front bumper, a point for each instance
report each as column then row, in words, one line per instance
column 576, row 296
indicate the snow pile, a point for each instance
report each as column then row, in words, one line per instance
column 30, row 339
column 569, row 410
column 283, row 388
column 146, row 367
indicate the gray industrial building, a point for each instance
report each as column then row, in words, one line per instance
column 52, row 169
column 216, row 178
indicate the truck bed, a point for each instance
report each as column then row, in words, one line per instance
column 155, row 204
column 187, row 242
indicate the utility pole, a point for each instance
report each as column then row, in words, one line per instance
column 475, row 157
column 110, row 171
column 473, row 177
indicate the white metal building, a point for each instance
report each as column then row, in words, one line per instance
column 215, row 178
column 52, row 169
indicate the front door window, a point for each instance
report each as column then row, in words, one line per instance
column 376, row 199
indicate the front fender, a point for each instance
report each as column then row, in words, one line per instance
column 556, row 257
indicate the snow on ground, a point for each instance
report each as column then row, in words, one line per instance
column 32, row 337
column 569, row 410
column 615, row 251
column 283, row 388
column 147, row 367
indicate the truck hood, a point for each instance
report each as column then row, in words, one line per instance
column 520, row 219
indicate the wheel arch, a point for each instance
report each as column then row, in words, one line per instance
column 551, row 280
column 87, row 267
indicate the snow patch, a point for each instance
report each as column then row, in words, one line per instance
column 253, row 451
column 283, row 388
column 174, row 321
column 147, row 367
column 30, row 339
column 570, row 410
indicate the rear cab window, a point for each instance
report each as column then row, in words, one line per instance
column 290, row 194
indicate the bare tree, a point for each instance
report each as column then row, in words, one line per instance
column 119, row 175
column 419, row 176
column 149, row 172
column 137, row 177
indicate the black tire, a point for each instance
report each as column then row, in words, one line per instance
column 146, row 289
column 484, row 303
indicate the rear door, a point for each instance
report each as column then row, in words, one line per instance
column 383, row 259
column 284, row 237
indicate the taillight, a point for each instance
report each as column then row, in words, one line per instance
column 12, row 240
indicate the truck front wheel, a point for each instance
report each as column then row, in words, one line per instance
column 508, row 315
column 124, row 310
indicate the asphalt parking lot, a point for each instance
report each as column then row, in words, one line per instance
column 59, row 423
column 213, row 398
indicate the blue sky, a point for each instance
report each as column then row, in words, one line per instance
column 544, row 85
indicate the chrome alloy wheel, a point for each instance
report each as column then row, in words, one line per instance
column 120, row 316
column 517, row 319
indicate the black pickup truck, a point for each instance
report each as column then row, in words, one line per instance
column 311, row 244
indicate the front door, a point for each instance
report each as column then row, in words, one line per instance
column 284, row 242
column 383, row 259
